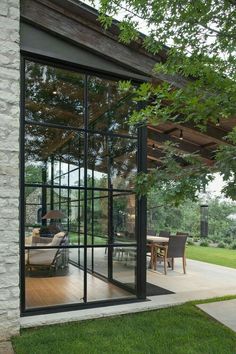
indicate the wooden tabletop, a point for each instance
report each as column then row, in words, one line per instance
column 157, row 239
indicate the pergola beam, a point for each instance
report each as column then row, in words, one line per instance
column 215, row 134
column 157, row 138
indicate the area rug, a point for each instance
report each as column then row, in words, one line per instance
column 153, row 290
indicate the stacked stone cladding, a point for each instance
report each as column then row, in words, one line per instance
column 9, row 167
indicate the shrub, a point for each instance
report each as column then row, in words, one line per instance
column 221, row 244
column 227, row 240
column 214, row 239
column 190, row 242
column 233, row 245
column 204, row 243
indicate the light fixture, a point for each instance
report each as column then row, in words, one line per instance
column 54, row 214
column 218, row 122
column 54, row 92
column 181, row 135
column 153, row 147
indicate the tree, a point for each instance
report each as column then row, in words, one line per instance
column 201, row 35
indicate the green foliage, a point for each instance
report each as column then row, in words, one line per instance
column 174, row 182
column 128, row 32
column 204, row 243
column 186, row 217
column 233, row 245
column 221, row 245
column 200, row 75
column 190, row 242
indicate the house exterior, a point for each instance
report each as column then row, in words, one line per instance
column 29, row 53
column 66, row 146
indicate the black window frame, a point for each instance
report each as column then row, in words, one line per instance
column 141, row 202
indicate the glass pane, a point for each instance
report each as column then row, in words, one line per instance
column 97, row 217
column 124, row 266
column 67, row 207
column 124, row 215
column 50, row 278
column 33, row 212
column 98, row 280
column 109, row 108
column 52, row 156
column 97, row 161
column 122, row 155
column 54, row 95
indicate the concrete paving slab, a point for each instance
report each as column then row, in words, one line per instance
column 222, row 311
column 6, row 348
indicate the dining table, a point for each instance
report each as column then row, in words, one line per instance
column 152, row 244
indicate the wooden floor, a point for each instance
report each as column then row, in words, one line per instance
column 42, row 291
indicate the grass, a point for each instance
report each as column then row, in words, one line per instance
column 220, row 256
column 176, row 330
column 97, row 240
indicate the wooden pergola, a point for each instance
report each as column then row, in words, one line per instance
column 76, row 23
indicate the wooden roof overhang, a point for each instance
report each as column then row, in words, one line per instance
column 76, row 23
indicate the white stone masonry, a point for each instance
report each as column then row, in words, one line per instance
column 9, row 167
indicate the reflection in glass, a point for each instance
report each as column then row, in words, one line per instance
column 109, row 108
column 97, row 160
column 124, row 215
column 112, row 290
column 97, row 218
column 123, row 162
column 53, row 156
column 54, row 95
column 124, row 266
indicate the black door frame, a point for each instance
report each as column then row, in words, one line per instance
column 140, row 204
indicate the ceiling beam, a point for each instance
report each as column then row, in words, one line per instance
column 157, row 138
column 215, row 134
column 159, row 155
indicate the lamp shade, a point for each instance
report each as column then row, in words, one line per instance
column 54, row 214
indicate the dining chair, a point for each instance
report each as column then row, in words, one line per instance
column 151, row 232
column 164, row 233
column 174, row 249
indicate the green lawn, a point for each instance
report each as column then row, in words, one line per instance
column 220, row 256
column 73, row 237
column 176, row 330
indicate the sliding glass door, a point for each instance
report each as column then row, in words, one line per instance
column 79, row 219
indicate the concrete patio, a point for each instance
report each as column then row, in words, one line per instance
column 222, row 311
column 201, row 278
column 202, row 281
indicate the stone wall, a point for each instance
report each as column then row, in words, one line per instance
column 9, row 167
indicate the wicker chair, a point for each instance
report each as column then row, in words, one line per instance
column 174, row 249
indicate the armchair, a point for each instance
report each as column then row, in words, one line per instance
column 45, row 257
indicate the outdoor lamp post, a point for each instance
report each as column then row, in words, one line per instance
column 204, row 220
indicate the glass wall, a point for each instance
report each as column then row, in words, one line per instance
column 80, row 160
